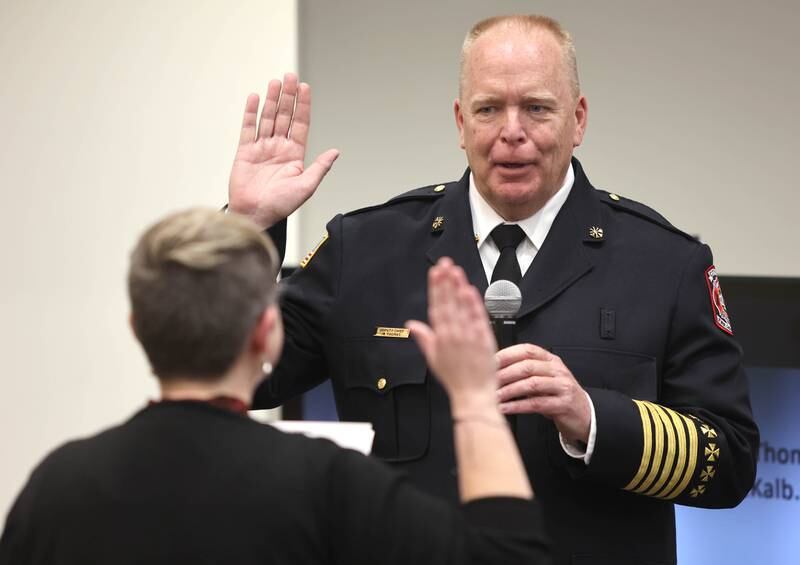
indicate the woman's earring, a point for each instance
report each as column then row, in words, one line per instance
column 266, row 367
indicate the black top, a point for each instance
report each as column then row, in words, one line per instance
column 186, row 482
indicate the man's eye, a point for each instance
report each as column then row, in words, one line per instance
column 535, row 108
column 485, row 110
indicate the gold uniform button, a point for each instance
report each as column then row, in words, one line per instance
column 613, row 196
column 439, row 188
column 381, row 383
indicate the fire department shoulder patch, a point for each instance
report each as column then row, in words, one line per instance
column 718, row 309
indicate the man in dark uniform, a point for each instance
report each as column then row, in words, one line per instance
column 626, row 383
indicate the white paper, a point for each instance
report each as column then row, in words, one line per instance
column 350, row 435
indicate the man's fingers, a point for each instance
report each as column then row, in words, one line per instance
column 302, row 115
column 248, row 133
column 550, row 406
column 267, row 123
column 532, row 386
column 524, row 369
column 544, row 405
column 516, row 353
column 315, row 172
column 283, row 119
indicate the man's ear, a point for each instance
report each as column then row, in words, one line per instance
column 459, row 122
column 581, row 119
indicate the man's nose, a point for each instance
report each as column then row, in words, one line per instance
column 512, row 133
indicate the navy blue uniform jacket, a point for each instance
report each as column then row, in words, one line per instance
column 629, row 302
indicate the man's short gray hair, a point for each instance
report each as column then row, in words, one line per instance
column 526, row 23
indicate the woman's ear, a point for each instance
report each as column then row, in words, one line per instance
column 267, row 336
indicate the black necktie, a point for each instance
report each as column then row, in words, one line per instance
column 507, row 237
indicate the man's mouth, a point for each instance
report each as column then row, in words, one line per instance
column 511, row 165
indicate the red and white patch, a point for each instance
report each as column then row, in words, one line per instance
column 718, row 309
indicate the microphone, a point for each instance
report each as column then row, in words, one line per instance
column 503, row 300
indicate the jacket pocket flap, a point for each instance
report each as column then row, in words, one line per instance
column 382, row 365
column 633, row 374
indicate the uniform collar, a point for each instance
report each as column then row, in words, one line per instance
column 567, row 252
column 536, row 227
column 452, row 241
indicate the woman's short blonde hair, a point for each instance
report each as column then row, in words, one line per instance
column 198, row 282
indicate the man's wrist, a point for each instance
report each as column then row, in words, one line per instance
column 582, row 450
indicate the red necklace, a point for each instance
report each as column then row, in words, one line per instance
column 229, row 403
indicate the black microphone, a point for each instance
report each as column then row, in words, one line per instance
column 503, row 300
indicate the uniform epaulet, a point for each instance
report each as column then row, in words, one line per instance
column 640, row 210
column 431, row 192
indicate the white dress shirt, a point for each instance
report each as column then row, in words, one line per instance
column 536, row 228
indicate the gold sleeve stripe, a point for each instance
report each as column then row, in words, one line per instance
column 659, row 450
column 680, row 464
column 666, row 468
column 646, row 447
column 692, row 452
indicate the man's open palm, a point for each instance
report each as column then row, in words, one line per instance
column 269, row 180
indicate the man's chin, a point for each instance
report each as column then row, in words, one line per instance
column 516, row 192
column 516, row 207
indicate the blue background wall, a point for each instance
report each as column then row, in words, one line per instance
column 765, row 528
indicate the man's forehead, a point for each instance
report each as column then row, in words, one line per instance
column 531, row 68
column 513, row 57
column 511, row 40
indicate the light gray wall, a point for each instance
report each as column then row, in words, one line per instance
column 113, row 113
column 692, row 109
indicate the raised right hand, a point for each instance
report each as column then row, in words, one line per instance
column 458, row 345
column 269, row 180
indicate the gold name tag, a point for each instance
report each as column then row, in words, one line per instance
column 402, row 333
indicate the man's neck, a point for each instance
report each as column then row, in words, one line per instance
column 536, row 226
